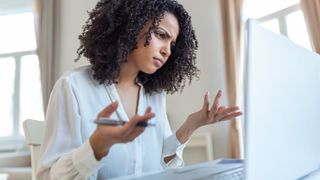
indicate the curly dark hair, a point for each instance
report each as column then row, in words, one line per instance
column 110, row 34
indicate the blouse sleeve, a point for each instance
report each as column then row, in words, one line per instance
column 171, row 144
column 64, row 154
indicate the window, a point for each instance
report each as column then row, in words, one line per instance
column 280, row 16
column 20, row 94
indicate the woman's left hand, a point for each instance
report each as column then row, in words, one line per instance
column 207, row 115
column 213, row 114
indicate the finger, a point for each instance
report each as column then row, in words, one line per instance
column 107, row 111
column 146, row 117
column 221, row 109
column 226, row 111
column 231, row 116
column 206, row 101
column 217, row 114
column 131, row 125
column 148, row 110
column 149, row 115
column 216, row 103
column 144, row 120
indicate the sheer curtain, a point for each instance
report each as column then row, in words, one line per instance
column 44, row 26
column 311, row 12
column 232, row 31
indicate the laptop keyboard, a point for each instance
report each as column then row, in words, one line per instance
column 235, row 174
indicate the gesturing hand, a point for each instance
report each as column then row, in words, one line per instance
column 105, row 135
column 215, row 113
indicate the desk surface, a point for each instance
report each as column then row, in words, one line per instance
column 189, row 172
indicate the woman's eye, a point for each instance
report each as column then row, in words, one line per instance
column 160, row 34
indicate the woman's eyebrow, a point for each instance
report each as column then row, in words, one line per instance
column 167, row 32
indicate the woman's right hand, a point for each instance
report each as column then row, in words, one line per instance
column 105, row 135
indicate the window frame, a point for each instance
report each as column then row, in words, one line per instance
column 16, row 141
column 281, row 17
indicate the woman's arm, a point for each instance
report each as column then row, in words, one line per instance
column 205, row 116
column 64, row 154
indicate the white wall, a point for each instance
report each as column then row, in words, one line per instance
column 71, row 15
column 207, row 24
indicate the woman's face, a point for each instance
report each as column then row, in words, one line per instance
column 152, row 57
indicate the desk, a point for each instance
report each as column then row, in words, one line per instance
column 196, row 171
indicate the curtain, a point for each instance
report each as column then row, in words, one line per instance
column 232, row 34
column 44, row 20
column 311, row 12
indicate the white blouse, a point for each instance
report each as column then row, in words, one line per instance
column 74, row 103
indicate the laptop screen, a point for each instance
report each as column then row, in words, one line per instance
column 282, row 107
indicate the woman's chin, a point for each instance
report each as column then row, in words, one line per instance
column 151, row 70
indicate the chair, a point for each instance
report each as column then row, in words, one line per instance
column 34, row 132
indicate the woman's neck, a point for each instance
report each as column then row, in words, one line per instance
column 127, row 76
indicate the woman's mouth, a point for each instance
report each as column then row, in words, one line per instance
column 157, row 62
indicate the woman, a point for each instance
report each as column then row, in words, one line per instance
column 138, row 51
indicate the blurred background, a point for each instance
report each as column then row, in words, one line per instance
column 39, row 39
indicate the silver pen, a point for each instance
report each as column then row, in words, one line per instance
column 114, row 122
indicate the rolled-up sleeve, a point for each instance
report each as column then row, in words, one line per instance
column 79, row 164
column 171, row 144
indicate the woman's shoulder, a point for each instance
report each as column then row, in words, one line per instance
column 78, row 77
column 79, row 72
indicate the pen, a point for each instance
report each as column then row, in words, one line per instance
column 114, row 122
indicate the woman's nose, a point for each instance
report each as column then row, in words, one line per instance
column 166, row 50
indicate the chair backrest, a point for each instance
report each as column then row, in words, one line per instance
column 34, row 131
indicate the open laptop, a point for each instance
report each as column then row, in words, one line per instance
column 281, row 112
column 282, row 107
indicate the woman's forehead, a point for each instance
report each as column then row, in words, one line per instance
column 170, row 22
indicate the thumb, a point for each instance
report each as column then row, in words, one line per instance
column 107, row 111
